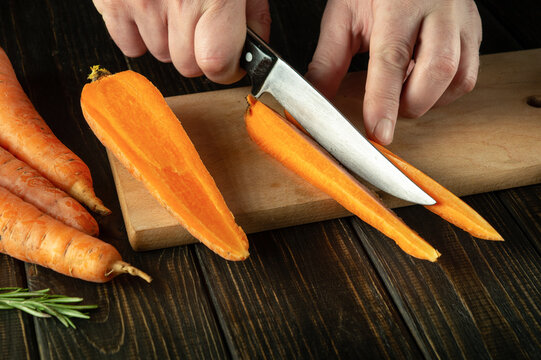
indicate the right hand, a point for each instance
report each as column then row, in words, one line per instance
column 199, row 37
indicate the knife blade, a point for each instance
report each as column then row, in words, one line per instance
column 269, row 73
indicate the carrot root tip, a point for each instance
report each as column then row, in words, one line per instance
column 121, row 267
column 84, row 193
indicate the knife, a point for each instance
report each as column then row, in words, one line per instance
column 269, row 73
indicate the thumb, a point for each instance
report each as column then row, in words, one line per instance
column 334, row 50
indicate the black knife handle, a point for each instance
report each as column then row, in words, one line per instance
column 257, row 59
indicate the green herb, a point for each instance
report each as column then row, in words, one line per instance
column 41, row 304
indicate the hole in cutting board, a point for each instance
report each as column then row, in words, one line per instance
column 534, row 100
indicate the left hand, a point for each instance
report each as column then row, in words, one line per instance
column 436, row 40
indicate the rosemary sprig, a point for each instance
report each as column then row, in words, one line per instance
column 42, row 304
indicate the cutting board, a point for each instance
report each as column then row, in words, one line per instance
column 488, row 140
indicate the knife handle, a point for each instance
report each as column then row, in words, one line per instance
column 257, row 59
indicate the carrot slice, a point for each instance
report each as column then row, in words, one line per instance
column 131, row 118
column 307, row 159
column 32, row 236
column 448, row 206
column 28, row 184
column 26, row 135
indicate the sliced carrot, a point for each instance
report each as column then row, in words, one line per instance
column 131, row 118
column 32, row 236
column 448, row 206
column 26, row 135
column 28, row 184
column 307, row 159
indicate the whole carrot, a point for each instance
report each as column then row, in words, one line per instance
column 28, row 184
column 32, row 236
column 26, row 135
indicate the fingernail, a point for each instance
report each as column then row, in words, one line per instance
column 383, row 131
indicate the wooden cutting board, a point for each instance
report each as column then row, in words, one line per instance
column 488, row 140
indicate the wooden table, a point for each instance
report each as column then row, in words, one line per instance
column 334, row 289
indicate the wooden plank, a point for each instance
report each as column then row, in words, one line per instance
column 17, row 335
column 480, row 300
column 306, row 292
column 172, row 317
column 475, row 145
column 525, row 206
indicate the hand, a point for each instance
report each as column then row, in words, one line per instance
column 436, row 40
column 199, row 37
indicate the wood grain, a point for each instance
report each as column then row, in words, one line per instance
column 475, row 145
column 174, row 317
column 277, row 304
column 312, row 279
column 525, row 206
column 17, row 338
column 480, row 300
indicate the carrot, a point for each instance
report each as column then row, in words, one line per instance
column 131, row 118
column 28, row 184
column 32, row 236
column 307, row 159
column 448, row 206
column 26, row 135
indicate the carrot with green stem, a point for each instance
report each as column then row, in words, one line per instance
column 32, row 236
column 28, row 184
column 26, row 135
column 306, row 158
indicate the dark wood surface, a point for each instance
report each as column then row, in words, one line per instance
column 336, row 289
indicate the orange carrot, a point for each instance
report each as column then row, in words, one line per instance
column 28, row 184
column 26, row 135
column 307, row 159
column 448, row 206
column 131, row 118
column 32, row 236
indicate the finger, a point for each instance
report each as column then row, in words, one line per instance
column 258, row 17
column 391, row 49
column 436, row 63
column 125, row 34
column 466, row 76
column 219, row 39
column 152, row 24
column 334, row 50
column 182, row 17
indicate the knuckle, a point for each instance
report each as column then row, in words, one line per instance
column 108, row 7
column 142, row 6
column 187, row 67
column 214, row 66
column 467, row 83
column 395, row 55
column 133, row 51
column 216, row 5
column 443, row 67
column 412, row 112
